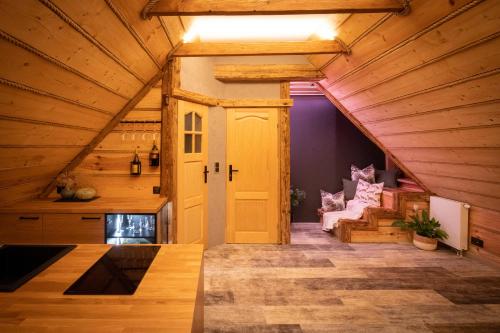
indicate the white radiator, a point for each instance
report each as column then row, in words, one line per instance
column 454, row 219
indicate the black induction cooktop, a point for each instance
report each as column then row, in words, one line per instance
column 20, row 263
column 118, row 272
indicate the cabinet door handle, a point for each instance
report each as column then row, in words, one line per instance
column 29, row 217
column 90, row 218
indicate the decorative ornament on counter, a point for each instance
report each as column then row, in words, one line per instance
column 85, row 193
column 135, row 165
column 66, row 184
column 67, row 193
column 154, row 156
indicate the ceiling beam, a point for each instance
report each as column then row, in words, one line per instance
column 266, row 73
column 202, row 49
column 270, row 7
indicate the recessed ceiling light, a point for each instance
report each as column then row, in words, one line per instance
column 260, row 28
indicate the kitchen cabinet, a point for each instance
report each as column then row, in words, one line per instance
column 52, row 228
column 50, row 222
column 21, row 228
column 73, row 228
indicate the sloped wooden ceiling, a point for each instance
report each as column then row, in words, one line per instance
column 427, row 87
column 66, row 68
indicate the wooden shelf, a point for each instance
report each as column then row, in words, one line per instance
column 98, row 206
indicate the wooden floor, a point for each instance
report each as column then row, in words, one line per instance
column 319, row 285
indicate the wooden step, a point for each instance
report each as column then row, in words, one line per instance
column 376, row 223
column 382, row 235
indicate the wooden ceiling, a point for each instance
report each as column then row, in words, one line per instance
column 67, row 69
column 425, row 86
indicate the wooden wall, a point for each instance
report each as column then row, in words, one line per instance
column 107, row 168
column 427, row 86
column 66, row 68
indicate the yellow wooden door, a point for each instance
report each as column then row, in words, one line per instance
column 252, row 189
column 192, row 173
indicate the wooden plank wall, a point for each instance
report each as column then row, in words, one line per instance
column 427, row 86
column 107, row 168
column 66, row 68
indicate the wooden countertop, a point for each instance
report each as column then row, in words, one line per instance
column 97, row 206
column 169, row 298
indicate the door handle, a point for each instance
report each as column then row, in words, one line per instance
column 29, row 217
column 231, row 170
column 205, row 174
column 83, row 218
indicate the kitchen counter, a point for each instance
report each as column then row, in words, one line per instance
column 97, row 206
column 169, row 298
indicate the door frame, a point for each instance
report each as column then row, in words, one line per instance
column 168, row 161
column 284, row 166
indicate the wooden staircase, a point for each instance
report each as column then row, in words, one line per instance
column 376, row 224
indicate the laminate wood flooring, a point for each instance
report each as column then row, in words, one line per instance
column 320, row 285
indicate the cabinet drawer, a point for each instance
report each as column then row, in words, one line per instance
column 73, row 228
column 20, row 228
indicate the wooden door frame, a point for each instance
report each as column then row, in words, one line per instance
column 168, row 161
column 168, row 144
column 284, row 165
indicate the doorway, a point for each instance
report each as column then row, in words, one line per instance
column 324, row 144
column 252, row 176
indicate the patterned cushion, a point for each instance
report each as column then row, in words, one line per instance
column 369, row 193
column 367, row 174
column 332, row 202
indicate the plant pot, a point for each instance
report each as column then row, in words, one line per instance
column 424, row 243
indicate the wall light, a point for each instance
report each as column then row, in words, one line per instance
column 260, row 28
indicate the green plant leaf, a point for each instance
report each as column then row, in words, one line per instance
column 422, row 226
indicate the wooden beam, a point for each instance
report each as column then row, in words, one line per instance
column 284, row 155
column 168, row 152
column 201, row 49
column 190, row 96
column 255, row 103
column 267, row 73
column 194, row 97
column 105, row 131
column 269, row 7
column 368, row 134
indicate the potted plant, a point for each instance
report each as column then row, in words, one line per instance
column 297, row 196
column 426, row 232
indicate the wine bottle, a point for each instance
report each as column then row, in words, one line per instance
column 154, row 156
column 135, row 165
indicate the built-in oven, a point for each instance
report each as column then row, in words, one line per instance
column 130, row 229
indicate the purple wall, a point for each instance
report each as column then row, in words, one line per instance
column 323, row 146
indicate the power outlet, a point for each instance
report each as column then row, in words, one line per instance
column 156, row 189
column 477, row 241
